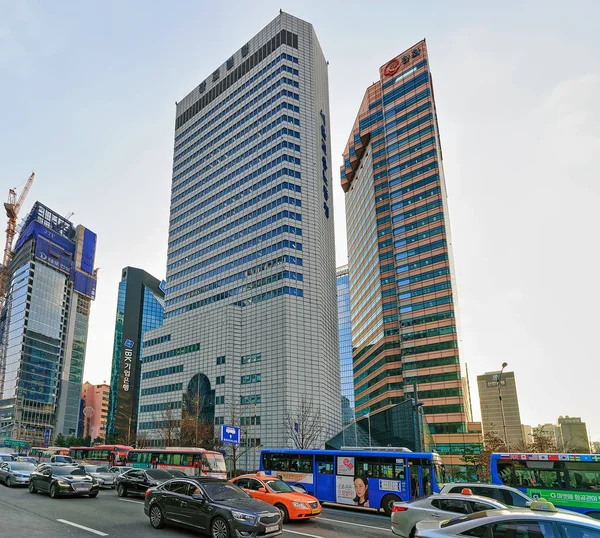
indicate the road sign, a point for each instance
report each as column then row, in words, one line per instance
column 13, row 443
column 230, row 434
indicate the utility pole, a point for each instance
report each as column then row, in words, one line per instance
column 504, row 365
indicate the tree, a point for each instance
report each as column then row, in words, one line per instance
column 169, row 427
column 304, row 425
column 60, row 440
column 480, row 461
column 98, row 441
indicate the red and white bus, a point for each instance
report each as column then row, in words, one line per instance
column 191, row 461
column 101, row 454
column 43, row 454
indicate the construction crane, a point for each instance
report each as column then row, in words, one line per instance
column 12, row 208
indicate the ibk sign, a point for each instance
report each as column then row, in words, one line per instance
column 127, row 359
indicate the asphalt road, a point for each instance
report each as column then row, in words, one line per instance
column 23, row 515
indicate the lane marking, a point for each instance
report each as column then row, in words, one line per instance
column 82, row 527
column 350, row 523
column 302, row 533
column 128, row 501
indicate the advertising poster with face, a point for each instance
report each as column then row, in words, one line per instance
column 352, row 490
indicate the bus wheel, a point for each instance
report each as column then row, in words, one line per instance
column 388, row 502
column 595, row 515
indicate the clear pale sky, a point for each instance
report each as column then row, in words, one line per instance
column 87, row 101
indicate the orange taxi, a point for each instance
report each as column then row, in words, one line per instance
column 292, row 504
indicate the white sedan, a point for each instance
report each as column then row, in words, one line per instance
column 406, row 515
column 543, row 520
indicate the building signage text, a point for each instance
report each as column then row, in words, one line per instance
column 127, row 358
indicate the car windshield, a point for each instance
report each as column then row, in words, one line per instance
column 214, row 462
column 179, row 474
column 63, row 459
column 102, row 469
column 464, row 519
column 159, row 474
column 224, row 491
column 22, row 466
column 278, row 486
column 62, row 471
column 5, row 458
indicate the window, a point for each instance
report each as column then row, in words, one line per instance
column 254, row 484
column 219, row 421
column 451, row 505
column 325, row 465
column 220, row 380
column 255, row 357
column 247, row 379
column 219, row 400
column 242, row 483
column 220, row 360
column 575, row 531
column 522, row 529
column 510, row 498
column 180, row 488
column 477, row 506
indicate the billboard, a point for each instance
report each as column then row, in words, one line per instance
column 84, row 284
column 53, row 255
column 88, row 251
column 35, row 229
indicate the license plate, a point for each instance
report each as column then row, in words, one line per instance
column 316, row 511
column 272, row 529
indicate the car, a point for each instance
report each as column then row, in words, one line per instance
column 177, row 473
column 62, row 481
column 26, row 459
column 6, row 457
column 213, row 506
column 292, row 504
column 137, row 481
column 118, row 469
column 104, row 477
column 406, row 515
column 542, row 520
column 59, row 459
column 15, row 473
column 505, row 494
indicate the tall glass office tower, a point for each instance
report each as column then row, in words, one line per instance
column 140, row 308
column 44, row 323
column 345, row 343
column 402, row 289
column 251, row 303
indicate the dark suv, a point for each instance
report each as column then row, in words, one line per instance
column 212, row 506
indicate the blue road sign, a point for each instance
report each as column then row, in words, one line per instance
column 230, row 434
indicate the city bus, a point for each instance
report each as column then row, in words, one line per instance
column 44, row 454
column 374, row 478
column 570, row 481
column 191, row 461
column 101, row 454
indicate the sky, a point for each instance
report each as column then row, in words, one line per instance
column 87, row 101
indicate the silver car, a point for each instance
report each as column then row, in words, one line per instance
column 537, row 522
column 15, row 473
column 511, row 497
column 406, row 515
column 103, row 476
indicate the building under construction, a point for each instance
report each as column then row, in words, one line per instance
column 49, row 284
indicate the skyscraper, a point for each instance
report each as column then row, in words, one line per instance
column 250, row 330
column 140, row 308
column 402, row 291
column 492, row 409
column 51, row 285
column 345, row 344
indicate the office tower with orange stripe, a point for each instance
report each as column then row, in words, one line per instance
column 401, row 274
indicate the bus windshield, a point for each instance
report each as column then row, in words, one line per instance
column 214, row 462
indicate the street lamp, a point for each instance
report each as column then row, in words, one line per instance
column 504, row 365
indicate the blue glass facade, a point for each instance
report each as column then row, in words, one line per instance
column 345, row 344
column 140, row 308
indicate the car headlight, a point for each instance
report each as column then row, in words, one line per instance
column 299, row 505
column 99, row 480
column 241, row 516
column 63, row 484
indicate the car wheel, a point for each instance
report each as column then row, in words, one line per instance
column 95, row 494
column 9, row 482
column 219, row 528
column 53, row 491
column 121, row 490
column 387, row 503
column 157, row 520
column 412, row 532
column 285, row 516
column 32, row 487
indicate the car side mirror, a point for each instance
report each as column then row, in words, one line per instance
column 528, row 504
column 262, row 490
column 198, row 497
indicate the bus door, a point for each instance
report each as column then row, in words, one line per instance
column 324, row 478
column 415, row 471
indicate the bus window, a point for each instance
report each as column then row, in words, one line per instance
column 325, row 464
column 300, row 463
column 276, row 462
column 583, row 476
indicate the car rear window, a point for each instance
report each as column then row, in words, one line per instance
column 159, row 474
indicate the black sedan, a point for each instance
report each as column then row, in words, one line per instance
column 211, row 506
column 62, row 482
column 137, row 481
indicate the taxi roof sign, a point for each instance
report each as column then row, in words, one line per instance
column 466, row 491
column 541, row 505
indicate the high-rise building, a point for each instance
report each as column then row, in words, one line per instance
column 51, row 285
column 549, row 432
column 345, row 344
column 491, row 386
column 250, row 330
column 596, row 447
column 402, row 291
column 140, row 308
column 573, row 435
column 528, row 432
column 95, row 409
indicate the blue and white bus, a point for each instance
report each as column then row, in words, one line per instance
column 367, row 478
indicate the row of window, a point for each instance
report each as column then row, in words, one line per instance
column 408, row 86
column 227, row 99
column 251, row 399
column 250, row 421
column 163, row 371
column 247, row 379
column 417, row 198
column 429, row 363
column 199, row 229
column 402, row 75
column 426, row 304
column 158, row 424
column 163, row 406
column 432, row 378
column 254, row 357
column 384, row 388
column 436, row 331
column 256, row 199
column 171, row 387
column 414, row 211
column 274, row 232
column 439, row 316
column 283, row 38
column 373, row 353
column 373, row 381
column 237, row 276
column 420, row 250
column 434, row 178
column 438, row 258
column 243, row 260
column 427, row 275
column 431, row 288
column 403, row 130
column 286, row 290
column 428, row 232
column 156, row 341
column 171, row 353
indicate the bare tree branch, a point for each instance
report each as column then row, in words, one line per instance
column 304, row 425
